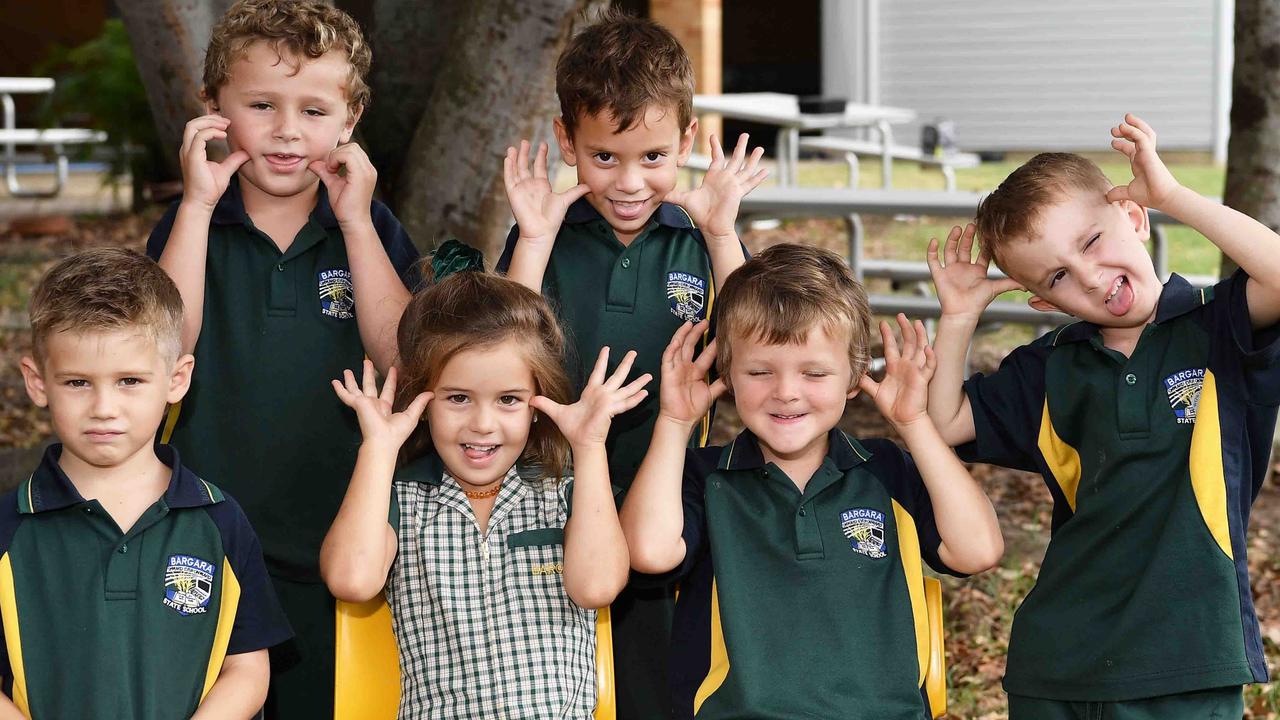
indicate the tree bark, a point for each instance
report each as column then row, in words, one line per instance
column 1253, row 152
column 169, row 38
column 494, row 86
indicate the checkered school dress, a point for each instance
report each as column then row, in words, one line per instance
column 484, row 625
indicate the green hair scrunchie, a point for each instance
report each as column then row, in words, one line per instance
column 454, row 256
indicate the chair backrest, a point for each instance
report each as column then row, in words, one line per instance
column 935, row 676
column 367, row 663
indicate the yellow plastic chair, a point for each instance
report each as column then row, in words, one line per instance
column 367, row 663
column 935, row 676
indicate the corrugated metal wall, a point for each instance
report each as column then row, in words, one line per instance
column 1038, row 74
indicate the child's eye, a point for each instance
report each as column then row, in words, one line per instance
column 1092, row 240
column 260, row 106
column 816, row 373
column 603, row 157
column 456, row 398
column 314, row 112
column 1056, row 277
column 77, row 383
column 757, row 373
column 654, row 156
column 509, row 400
column 130, row 381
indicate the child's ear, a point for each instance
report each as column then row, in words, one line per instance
column 1041, row 304
column 565, row 142
column 353, row 117
column 686, row 142
column 853, row 391
column 210, row 103
column 180, row 378
column 1138, row 217
column 34, row 381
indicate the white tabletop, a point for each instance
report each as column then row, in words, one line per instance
column 784, row 111
column 14, row 85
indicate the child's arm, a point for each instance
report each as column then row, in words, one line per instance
column 1252, row 245
column 538, row 210
column 380, row 295
column 596, row 564
column 964, row 291
column 653, row 513
column 360, row 546
column 8, row 710
column 203, row 183
column 713, row 206
column 240, row 690
column 971, row 540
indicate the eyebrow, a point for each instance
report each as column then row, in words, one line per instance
column 508, row 391
column 123, row 373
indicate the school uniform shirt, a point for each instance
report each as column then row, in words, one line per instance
column 483, row 623
column 1153, row 462
column 99, row 623
column 803, row 604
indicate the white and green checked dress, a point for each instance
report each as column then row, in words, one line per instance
column 485, row 628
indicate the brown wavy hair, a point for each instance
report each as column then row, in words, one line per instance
column 622, row 65
column 470, row 310
column 294, row 29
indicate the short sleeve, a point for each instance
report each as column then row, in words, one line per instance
column 259, row 622
column 508, row 249
column 698, row 465
column 1007, row 407
column 895, row 468
column 393, row 519
column 1258, row 350
column 9, row 521
column 400, row 250
column 160, row 233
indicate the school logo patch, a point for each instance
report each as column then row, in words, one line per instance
column 1184, row 388
column 865, row 529
column 687, row 295
column 337, row 296
column 188, row 584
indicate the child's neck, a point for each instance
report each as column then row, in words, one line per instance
column 125, row 490
column 280, row 218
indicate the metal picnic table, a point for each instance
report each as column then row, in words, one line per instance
column 12, row 137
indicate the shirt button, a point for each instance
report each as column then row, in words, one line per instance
column 280, row 267
column 801, row 512
column 1131, row 379
column 626, row 262
column 88, row 510
column 124, row 548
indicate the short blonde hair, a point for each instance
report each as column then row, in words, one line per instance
column 1012, row 211
column 780, row 295
column 107, row 289
column 302, row 28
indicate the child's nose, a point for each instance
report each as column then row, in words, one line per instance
column 785, row 387
column 286, row 127
column 631, row 180
column 104, row 403
column 483, row 419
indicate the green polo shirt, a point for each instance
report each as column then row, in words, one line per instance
column 803, row 604
column 1152, row 461
column 103, row 624
column 261, row 416
column 629, row 297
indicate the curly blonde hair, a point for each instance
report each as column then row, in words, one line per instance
column 294, row 29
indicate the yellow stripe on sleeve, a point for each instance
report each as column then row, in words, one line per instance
column 12, row 635
column 909, row 549
column 1206, row 466
column 1063, row 460
column 227, row 607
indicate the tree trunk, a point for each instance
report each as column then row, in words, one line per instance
column 494, row 86
column 1253, row 153
column 169, row 39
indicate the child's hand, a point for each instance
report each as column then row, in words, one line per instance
column 350, row 193
column 962, row 284
column 204, row 181
column 685, row 395
column 903, row 395
column 587, row 421
column 1153, row 185
column 377, row 423
column 538, row 210
column 713, row 206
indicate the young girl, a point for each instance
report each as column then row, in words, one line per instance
column 491, row 590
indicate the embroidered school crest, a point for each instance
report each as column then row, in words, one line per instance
column 1184, row 393
column 687, row 295
column 337, row 296
column 188, row 584
column 865, row 529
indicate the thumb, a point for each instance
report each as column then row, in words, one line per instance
column 418, row 406
column 321, row 168
column 547, row 406
column 677, row 197
column 574, row 193
column 718, row 388
column 869, row 386
column 1118, row 193
column 1004, row 285
column 233, row 161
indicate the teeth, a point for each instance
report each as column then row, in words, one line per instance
column 1114, row 289
column 481, row 448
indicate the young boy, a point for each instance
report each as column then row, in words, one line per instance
column 129, row 586
column 1150, row 420
column 625, row 258
column 799, row 547
column 289, row 273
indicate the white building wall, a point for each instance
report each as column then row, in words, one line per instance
column 1036, row 74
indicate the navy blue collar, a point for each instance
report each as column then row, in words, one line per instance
column 49, row 488
column 230, row 208
column 667, row 214
column 1177, row 298
column 745, row 454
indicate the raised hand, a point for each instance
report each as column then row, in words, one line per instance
column 203, row 180
column 962, row 284
column 1153, row 185
column 378, row 423
column 350, row 193
column 685, row 396
column 713, row 205
column 902, row 397
column 538, row 209
column 587, row 421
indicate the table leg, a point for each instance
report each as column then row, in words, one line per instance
column 886, row 157
column 783, row 152
column 793, row 160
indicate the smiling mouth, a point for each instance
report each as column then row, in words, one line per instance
column 787, row 418
column 479, row 452
column 1115, row 288
column 628, row 209
column 283, row 161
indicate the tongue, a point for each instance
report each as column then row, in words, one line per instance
column 1120, row 304
column 476, row 454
